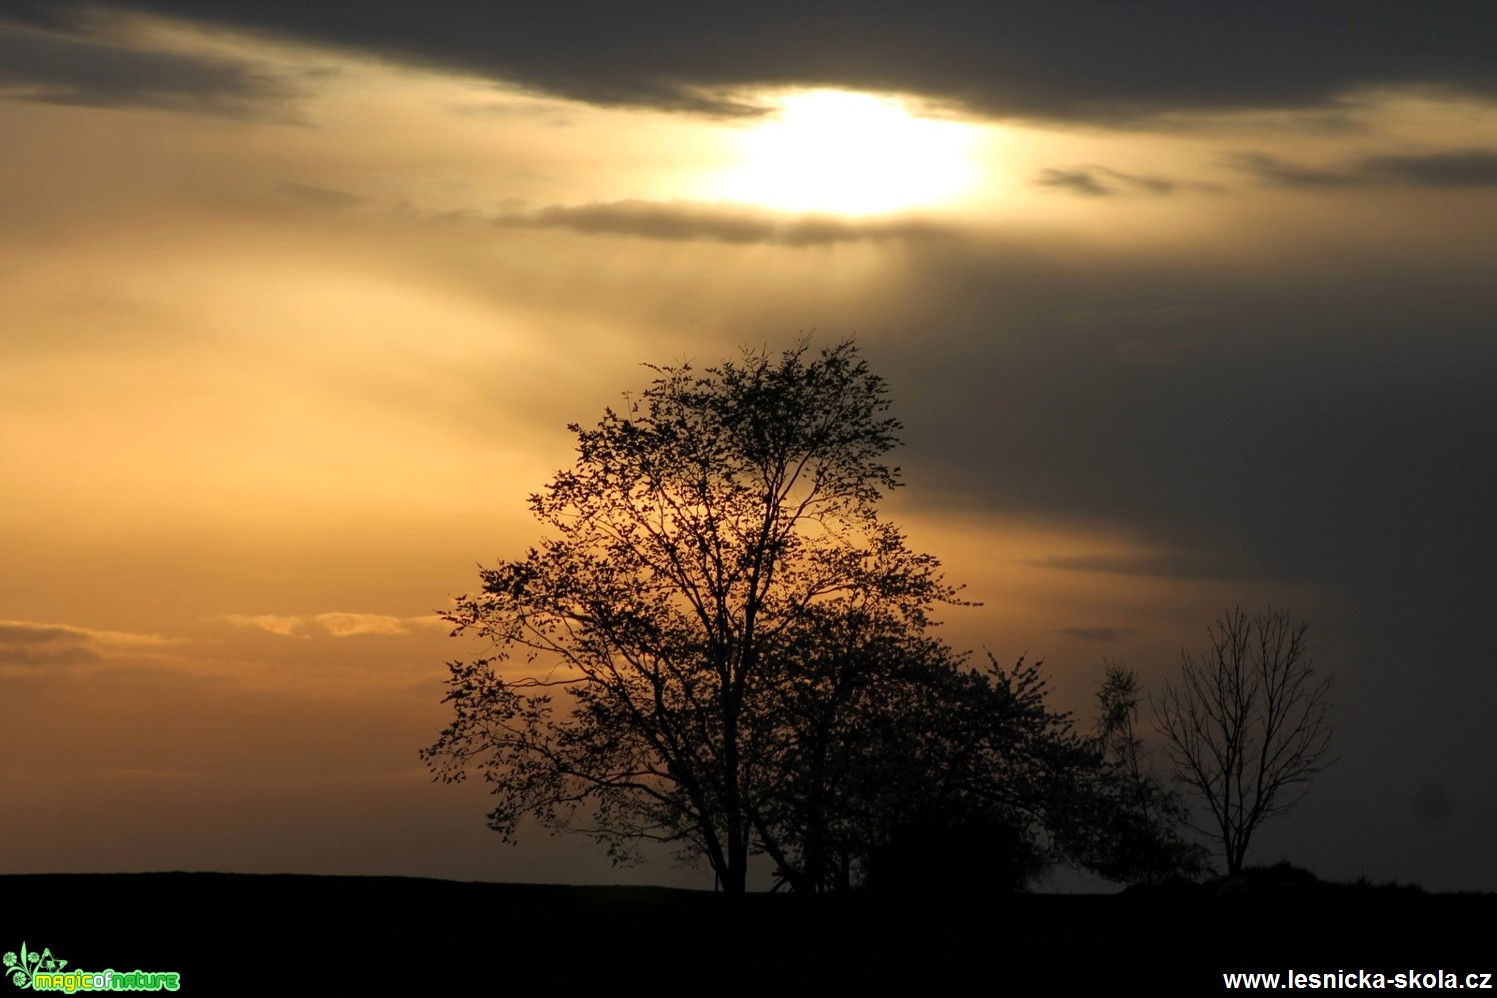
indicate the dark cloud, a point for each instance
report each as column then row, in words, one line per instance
column 24, row 642
column 1319, row 423
column 1100, row 181
column 1179, row 565
column 1455, row 168
column 321, row 197
column 686, row 221
column 656, row 220
column 68, row 69
column 1106, row 635
column 1296, row 419
column 47, row 657
column 1067, row 59
column 1083, row 182
column 1460, row 168
column 1273, row 170
column 1321, row 433
column 21, row 632
column 39, row 14
column 30, row 644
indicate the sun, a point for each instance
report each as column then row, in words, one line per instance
column 850, row 153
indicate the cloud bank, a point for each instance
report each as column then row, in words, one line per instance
column 1064, row 60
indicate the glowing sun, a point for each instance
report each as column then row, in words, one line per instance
column 848, row 153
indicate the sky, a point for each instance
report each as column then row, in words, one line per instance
column 1183, row 306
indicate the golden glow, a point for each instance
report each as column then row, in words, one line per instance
column 271, row 383
column 849, row 153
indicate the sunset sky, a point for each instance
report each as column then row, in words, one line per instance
column 1183, row 305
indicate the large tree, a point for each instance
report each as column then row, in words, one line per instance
column 704, row 550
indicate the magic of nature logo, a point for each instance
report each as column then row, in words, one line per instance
column 42, row 971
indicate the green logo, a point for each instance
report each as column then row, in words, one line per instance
column 45, row 972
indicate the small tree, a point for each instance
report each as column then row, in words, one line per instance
column 974, row 781
column 923, row 772
column 1138, row 840
column 1247, row 725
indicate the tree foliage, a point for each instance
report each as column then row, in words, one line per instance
column 1247, row 725
column 720, row 644
column 993, row 783
column 1137, row 837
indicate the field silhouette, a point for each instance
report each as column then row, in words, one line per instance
column 246, row 934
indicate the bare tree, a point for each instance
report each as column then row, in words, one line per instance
column 1247, row 725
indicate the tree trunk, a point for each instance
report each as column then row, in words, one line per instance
column 735, row 880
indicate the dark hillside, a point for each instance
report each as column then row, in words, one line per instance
column 234, row 934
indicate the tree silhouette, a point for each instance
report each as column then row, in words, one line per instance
column 973, row 779
column 904, row 768
column 742, row 648
column 1247, row 725
column 1138, row 840
column 696, row 533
